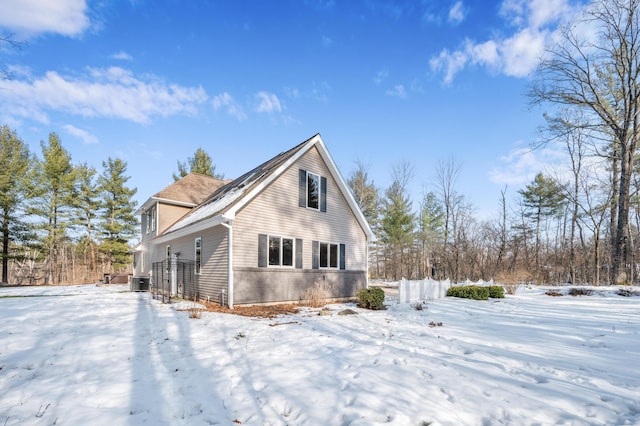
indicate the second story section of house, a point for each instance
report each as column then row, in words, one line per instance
column 167, row 206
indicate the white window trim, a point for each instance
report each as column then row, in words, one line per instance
column 309, row 174
column 329, row 244
column 197, row 263
column 151, row 218
column 293, row 252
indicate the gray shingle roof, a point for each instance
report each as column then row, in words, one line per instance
column 230, row 194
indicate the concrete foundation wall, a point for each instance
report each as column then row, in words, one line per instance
column 261, row 285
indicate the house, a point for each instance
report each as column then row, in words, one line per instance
column 269, row 236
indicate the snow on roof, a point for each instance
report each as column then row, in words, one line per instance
column 228, row 195
column 213, row 206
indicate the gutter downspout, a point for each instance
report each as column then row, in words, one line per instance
column 366, row 257
column 229, row 226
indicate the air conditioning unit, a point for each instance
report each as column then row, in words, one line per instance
column 139, row 284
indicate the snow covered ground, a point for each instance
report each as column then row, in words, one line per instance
column 94, row 355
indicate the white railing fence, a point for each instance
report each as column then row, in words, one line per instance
column 424, row 290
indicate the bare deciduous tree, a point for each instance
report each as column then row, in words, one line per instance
column 599, row 75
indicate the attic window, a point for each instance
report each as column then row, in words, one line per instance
column 312, row 191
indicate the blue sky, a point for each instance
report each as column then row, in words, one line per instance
column 382, row 82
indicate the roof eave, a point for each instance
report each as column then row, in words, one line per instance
column 153, row 200
column 194, row 228
column 346, row 192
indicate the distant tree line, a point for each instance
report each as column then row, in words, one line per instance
column 62, row 222
column 579, row 223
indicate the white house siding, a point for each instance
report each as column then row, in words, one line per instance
column 275, row 211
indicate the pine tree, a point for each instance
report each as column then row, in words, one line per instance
column 366, row 195
column 53, row 180
column 118, row 224
column 398, row 220
column 16, row 162
column 200, row 163
column 430, row 229
column 543, row 198
column 86, row 206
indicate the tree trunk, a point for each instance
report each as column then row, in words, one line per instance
column 5, row 247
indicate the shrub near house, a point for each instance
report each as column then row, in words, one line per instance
column 477, row 292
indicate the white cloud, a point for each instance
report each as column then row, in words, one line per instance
column 521, row 165
column 534, row 22
column 484, row 53
column 397, row 91
column 380, row 77
column 450, row 63
column 522, row 52
column 457, row 13
column 326, row 41
column 317, row 93
column 32, row 17
column 81, row 134
column 226, row 101
column 267, row 102
column 122, row 56
column 108, row 93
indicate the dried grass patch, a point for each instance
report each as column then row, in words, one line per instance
column 258, row 311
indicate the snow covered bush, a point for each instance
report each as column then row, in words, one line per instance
column 626, row 293
column 371, row 298
column 580, row 292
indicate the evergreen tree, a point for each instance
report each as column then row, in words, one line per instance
column 53, row 180
column 200, row 163
column 366, row 194
column 119, row 222
column 542, row 198
column 86, row 206
column 430, row 229
column 16, row 161
column 397, row 219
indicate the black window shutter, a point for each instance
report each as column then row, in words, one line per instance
column 342, row 256
column 315, row 255
column 302, row 188
column 298, row 253
column 323, row 194
column 262, row 250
